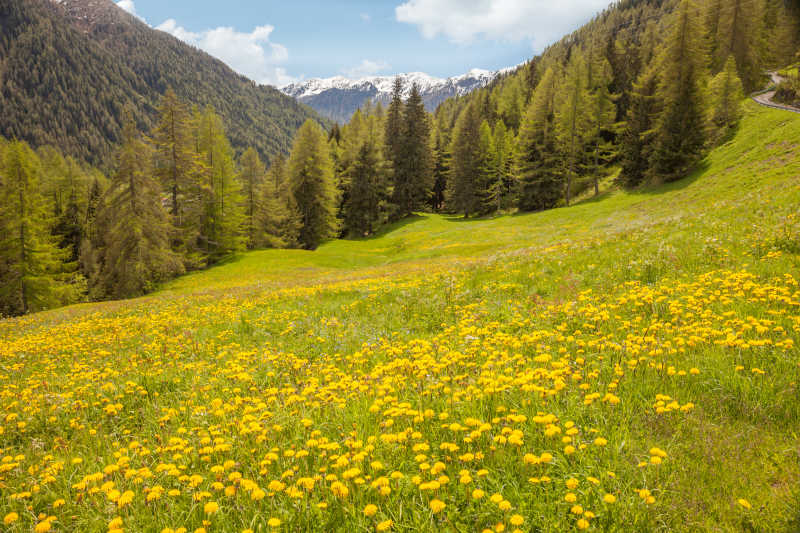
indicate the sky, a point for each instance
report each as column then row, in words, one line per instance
column 278, row 42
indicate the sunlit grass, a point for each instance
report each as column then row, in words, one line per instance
column 625, row 364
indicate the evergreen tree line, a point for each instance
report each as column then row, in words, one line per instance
column 178, row 200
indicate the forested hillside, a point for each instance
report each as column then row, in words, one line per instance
column 640, row 95
column 67, row 70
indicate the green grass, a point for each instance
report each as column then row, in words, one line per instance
column 688, row 290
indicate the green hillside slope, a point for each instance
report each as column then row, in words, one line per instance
column 625, row 364
column 68, row 69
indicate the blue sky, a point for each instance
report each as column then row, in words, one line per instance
column 280, row 41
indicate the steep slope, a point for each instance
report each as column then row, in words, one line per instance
column 69, row 68
column 338, row 98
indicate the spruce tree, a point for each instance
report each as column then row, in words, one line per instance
column 602, row 113
column 136, row 256
column 310, row 174
column 394, row 129
column 540, row 178
column 413, row 178
column 738, row 35
column 726, row 94
column 464, row 194
column 637, row 135
column 33, row 272
column 441, row 169
column 365, row 209
column 680, row 128
column 490, row 185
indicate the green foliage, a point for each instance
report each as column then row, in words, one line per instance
column 413, row 177
column 725, row 101
column 310, row 174
column 540, row 178
column 136, row 254
column 70, row 69
column 680, row 133
column 221, row 225
column 464, row 191
column 34, row 274
column 367, row 201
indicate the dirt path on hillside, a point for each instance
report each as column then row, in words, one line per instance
column 765, row 98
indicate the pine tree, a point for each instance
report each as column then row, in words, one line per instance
column 680, row 132
column 33, row 273
column 540, row 180
column 177, row 168
column 464, row 195
column 571, row 119
column 221, row 228
column 413, row 178
column 637, row 135
column 366, row 206
column 726, row 95
column 310, row 173
column 136, row 256
column 504, row 162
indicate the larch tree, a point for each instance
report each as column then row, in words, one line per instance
column 136, row 254
column 680, row 132
column 221, row 229
column 252, row 176
column 537, row 163
column 571, row 105
column 33, row 273
column 176, row 166
column 310, row 174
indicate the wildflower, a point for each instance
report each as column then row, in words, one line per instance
column 210, row 507
column 582, row 524
column 477, row 494
column 386, row 525
column 437, row 506
column 744, row 503
column 609, row 498
column 570, row 497
column 274, row 522
column 517, row 520
column 10, row 518
column 370, row 510
column 42, row 527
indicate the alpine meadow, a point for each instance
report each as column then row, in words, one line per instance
column 566, row 298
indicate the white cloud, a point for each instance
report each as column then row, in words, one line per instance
column 251, row 54
column 130, row 7
column 462, row 21
column 366, row 68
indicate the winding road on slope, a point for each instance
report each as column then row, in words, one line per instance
column 765, row 98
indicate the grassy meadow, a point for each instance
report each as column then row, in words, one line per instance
column 629, row 363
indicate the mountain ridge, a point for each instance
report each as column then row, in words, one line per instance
column 338, row 97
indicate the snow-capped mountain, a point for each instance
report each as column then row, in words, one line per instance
column 338, row 98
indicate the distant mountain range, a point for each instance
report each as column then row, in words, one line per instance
column 68, row 69
column 338, row 98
